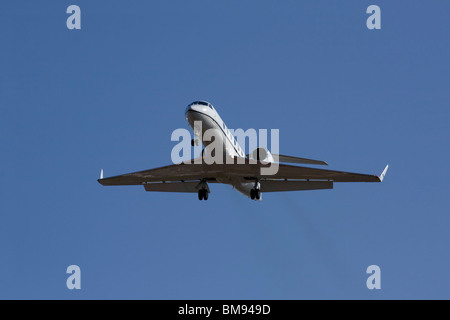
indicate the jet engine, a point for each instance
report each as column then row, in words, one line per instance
column 262, row 154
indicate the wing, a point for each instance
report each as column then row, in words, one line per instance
column 306, row 173
column 177, row 172
column 247, row 170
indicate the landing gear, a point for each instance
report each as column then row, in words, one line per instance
column 202, row 188
column 202, row 194
column 255, row 193
column 194, row 142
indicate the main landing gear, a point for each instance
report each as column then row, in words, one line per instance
column 202, row 194
column 255, row 193
column 202, row 190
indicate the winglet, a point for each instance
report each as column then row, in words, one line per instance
column 101, row 174
column 383, row 173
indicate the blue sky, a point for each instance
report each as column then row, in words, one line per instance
column 109, row 96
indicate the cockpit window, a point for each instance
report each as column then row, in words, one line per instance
column 203, row 103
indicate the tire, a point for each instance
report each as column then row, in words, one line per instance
column 252, row 194
column 200, row 194
column 205, row 194
column 257, row 194
column 192, row 142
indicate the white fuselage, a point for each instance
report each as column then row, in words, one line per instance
column 205, row 113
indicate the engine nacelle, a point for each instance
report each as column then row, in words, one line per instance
column 262, row 154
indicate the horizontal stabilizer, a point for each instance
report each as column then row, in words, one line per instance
column 289, row 159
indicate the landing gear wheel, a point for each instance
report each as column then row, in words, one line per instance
column 192, row 142
column 202, row 194
column 257, row 194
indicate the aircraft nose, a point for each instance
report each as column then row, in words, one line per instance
column 194, row 107
column 199, row 106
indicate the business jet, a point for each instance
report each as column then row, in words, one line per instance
column 246, row 176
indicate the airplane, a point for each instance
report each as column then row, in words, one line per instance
column 245, row 176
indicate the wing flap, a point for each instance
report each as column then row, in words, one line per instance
column 189, row 187
column 282, row 185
